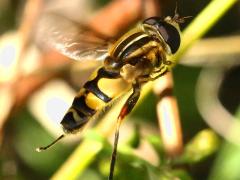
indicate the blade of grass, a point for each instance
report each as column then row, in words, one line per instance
column 79, row 160
column 81, row 157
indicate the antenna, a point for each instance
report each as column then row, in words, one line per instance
column 177, row 17
column 39, row 149
column 176, row 9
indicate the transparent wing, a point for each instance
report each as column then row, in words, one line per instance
column 75, row 40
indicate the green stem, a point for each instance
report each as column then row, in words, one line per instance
column 78, row 161
column 86, row 151
column 203, row 22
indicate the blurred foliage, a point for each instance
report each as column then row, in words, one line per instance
column 28, row 136
column 227, row 161
column 216, row 159
column 8, row 11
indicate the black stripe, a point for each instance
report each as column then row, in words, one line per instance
column 83, row 117
column 134, row 46
column 79, row 103
column 70, row 124
column 68, row 121
column 102, row 73
column 125, row 42
column 92, row 86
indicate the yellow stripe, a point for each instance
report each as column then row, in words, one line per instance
column 123, row 38
column 131, row 42
column 94, row 102
column 144, row 49
column 75, row 115
column 113, row 87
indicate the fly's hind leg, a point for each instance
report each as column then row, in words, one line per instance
column 126, row 109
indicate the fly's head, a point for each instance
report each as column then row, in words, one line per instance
column 166, row 30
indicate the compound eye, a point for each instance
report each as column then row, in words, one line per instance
column 170, row 35
column 152, row 21
column 168, row 32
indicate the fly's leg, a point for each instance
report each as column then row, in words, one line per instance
column 144, row 79
column 157, row 76
column 126, row 109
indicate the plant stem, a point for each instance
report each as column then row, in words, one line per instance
column 203, row 22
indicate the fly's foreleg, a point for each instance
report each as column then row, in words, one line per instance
column 126, row 109
column 144, row 79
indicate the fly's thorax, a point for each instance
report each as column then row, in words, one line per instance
column 135, row 43
column 124, row 40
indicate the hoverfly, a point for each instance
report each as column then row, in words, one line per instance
column 138, row 56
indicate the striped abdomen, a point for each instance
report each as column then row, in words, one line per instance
column 92, row 98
